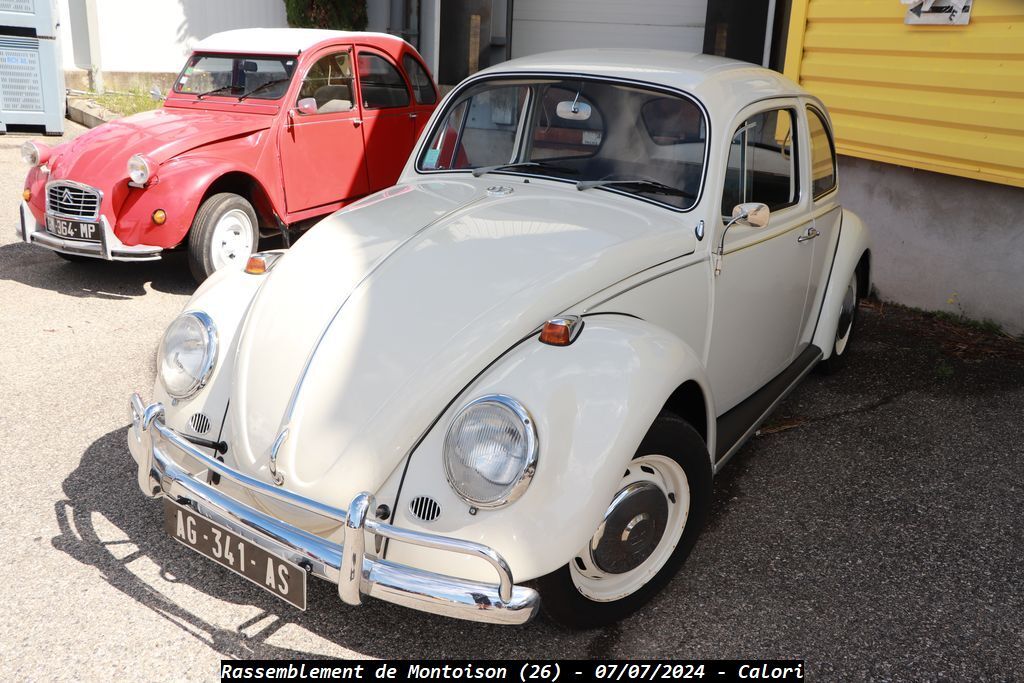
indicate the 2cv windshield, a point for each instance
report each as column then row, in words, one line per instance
column 597, row 134
column 258, row 77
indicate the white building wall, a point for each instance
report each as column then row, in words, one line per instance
column 154, row 35
column 543, row 25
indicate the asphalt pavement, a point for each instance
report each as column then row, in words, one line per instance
column 873, row 528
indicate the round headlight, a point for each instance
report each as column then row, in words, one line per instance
column 34, row 154
column 139, row 169
column 490, row 451
column 187, row 354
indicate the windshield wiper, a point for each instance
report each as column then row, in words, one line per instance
column 477, row 172
column 262, row 86
column 214, row 91
column 653, row 186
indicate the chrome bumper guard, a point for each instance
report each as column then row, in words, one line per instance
column 109, row 247
column 347, row 564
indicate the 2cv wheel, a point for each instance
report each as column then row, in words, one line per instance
column 648, row 530
column 224, row 234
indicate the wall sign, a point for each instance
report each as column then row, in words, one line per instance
column 938, row 12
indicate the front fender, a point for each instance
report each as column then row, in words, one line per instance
column 592, row 403
column 225, row 297
column 181, row 185
column 853, row 243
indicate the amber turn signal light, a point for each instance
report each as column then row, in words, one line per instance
column 261, row 263
column 26, row 194
column 159, row 216
column 561, row 331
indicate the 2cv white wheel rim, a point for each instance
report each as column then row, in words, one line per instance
column 639, row 532
column 846, row 313
column 232, row 240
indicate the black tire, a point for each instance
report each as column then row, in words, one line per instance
column 562, row 601
column 201, row 259
column 845, row 330
column 76, row 258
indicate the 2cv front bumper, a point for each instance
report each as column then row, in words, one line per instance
column 346, row 564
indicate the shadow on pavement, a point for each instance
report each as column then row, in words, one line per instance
column 40, row 268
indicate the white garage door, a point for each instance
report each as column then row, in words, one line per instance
column 543, row 25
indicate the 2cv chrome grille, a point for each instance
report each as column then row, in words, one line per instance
column 73, row 201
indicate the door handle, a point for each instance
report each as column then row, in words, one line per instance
column 412, row 115
column 357, row 122
column 810, row 235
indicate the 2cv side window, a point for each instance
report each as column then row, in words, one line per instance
column 329, row 82
column 763, row 162
column 823, row 155
column 382, row 85
column 422, row 88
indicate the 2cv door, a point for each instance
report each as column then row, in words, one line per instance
column 322, row 156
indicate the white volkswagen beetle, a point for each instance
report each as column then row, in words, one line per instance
column 508, row 381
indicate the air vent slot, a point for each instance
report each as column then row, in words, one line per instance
column 199, row 423
column 425, row 508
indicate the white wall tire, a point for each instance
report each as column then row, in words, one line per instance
column 648, row 530
column 224, row 234
column 845, row 326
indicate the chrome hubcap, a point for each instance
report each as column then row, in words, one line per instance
column 232, row 239
column 631, row 529
column 639, row 531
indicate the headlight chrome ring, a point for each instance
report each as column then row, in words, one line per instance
column 208, row 361
column 519, row 419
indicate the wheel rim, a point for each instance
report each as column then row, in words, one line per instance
column 232, row 240
column 639, row 532
column 846, row 314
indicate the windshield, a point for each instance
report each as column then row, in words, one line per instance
column 593, row 133
column 266, row 78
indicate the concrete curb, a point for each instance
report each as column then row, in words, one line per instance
column 87, row 113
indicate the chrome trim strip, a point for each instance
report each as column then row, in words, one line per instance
column 346, row 564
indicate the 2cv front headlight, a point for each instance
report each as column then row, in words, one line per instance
column 490, row 451
column 188, row 353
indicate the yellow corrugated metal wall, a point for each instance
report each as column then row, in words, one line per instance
column 942, row 98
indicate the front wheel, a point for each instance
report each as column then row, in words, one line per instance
column 224, row 234
column 647, row 532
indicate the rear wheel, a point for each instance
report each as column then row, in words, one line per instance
column 647, row 532
column 845, row 328
column 224, row 234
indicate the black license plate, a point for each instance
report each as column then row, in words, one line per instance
column 280, row 577
column 73, row 230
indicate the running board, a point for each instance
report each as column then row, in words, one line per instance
column 739, row 424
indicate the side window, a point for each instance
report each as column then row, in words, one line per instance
column 382, row 86
column 422, row 88
column 329, row 82
column 823, row 155
column 569, row 126
column 763, row 162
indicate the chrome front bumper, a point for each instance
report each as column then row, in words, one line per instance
column 108, row 248
column 345, row 564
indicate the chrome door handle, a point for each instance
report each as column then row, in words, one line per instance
column 357, row 122
column 810, row 235
column 412, row 115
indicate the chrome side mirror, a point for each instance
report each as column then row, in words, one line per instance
column 754, row 214
column 306, row 106
column 155, row 93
